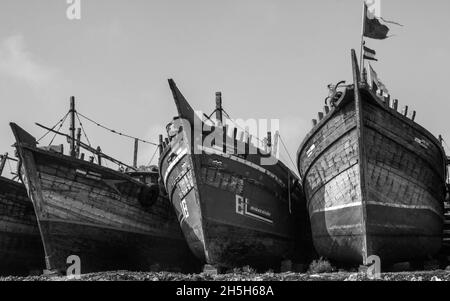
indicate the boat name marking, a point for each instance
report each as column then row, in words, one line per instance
column 242, row 208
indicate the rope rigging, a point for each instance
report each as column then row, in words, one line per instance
column 61, row 120
column 262, row 141
column 289, row 155
column 244, row 130
column 116, row 132
column 57, row 127
column 445, row 142
column 153, row 156
column 60, row 126
column 10, row 167
column 448, row 147
column 82, row 128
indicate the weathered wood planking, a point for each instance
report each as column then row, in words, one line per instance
column 21, row 248
column 231, row 211
column 105, row 217
column 404, row 176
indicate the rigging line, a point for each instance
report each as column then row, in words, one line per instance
column 10, row 168
column 154, row 154
column 445, row 142
column 281, row 139
column 82, row 128
column 61, row 120
column 448, row 173
column 285, row 148
column 237, row 125
column 60, row 126
column 116, row 132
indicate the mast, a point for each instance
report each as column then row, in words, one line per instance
column 72, row 127
column 219, row 107
column 136, row 145
column 362, row 156
column 363, row 29
column 161, row 144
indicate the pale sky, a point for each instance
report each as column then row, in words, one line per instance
column 270, row 59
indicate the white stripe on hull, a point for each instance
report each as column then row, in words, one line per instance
column 338, row 207
column 180, row 154
column 392, row 205
column 243, row 161
column 340, row 227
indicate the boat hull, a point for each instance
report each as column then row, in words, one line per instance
column 104, row 217
column 100, row 248
column 234, row 215
column 236, row 207
column 376, row 189
column 21, row 250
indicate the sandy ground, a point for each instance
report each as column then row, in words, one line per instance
column 436, row 275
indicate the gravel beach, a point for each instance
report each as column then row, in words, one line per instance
column 437, row 275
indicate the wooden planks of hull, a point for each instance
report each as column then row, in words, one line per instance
column 105, row 217
column 233, row 210
column 401, row 215
column 21, row 250
column 215, row 218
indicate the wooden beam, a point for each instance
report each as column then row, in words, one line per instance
column 219, row 116
column 362, row 157
column 135, row 154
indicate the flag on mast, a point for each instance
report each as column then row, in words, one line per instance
column 369, row 54
column 373, row 28
column 376, row 82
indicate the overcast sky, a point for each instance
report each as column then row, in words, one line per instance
column 270, row 59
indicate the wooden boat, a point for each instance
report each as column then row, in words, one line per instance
column 233, row 210
column 374, row 180
column 110, row 219
column 21, row 249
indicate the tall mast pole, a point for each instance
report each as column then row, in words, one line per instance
column 72, row 127
column 363, row 29
column 135, row 154
column 219, row 116
column 361, row 156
